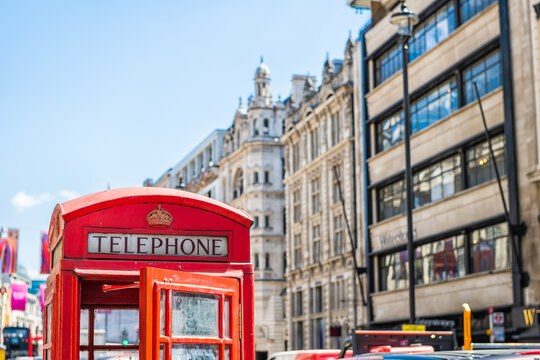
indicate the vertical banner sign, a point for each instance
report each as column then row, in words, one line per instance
column 8, row 250
column 42, row 295
column 45, row 254
column 19, row 294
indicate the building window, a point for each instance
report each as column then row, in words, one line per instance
column 318, row 300
column 255, row 128
column 267, row 177
column 430, row 108
column 266, row 127
column 267, row 221
column 256, row 261
column 255, row 222
column 393, row 271
column 297, row 207
column 316, row 236
column 298, row 304
column 437, row 181
column 255, row 177
column 315, row 195
column 338, row 235
column 445, row 259
column 469, row 8
column 338, row 291
column 390, row 131
column 267, row 261
column 297, row 251
column 490, row 248
column 336, row 136
column 391, row 200
column 210, row 156
column 296, row 157
column 388, row 63
column 434, row 106
column 314, row 135
column 201, row 162
column 317, row 333
column 441, row 260
column 336, row 175
column 432, row 31
column 486, row 72
column 480, row 166
column 298, row 330
column 238, row 188
column 426, row 35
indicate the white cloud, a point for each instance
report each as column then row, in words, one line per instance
column 23, row 201
column 68, row 194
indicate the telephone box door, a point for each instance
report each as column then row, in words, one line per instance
column 188, row 316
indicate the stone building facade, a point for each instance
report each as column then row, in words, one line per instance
column 197, row 171
column 463, row 243
column 251, row 174
column 319, row 150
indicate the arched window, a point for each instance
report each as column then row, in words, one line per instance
column 266, row 126
column 255, row 128
column 238, row 184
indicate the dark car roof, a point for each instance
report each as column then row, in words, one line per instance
column 457, row 355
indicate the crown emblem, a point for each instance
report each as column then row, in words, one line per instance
column 159, row 218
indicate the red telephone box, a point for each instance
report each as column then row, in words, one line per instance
column 149, row 273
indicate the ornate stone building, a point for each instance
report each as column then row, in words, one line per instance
column 251, row 174
column 319, row 159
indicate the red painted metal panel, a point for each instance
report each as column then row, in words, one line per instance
column 113, row 198
column 153, row 281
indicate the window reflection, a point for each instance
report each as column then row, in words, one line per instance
column 469, row 8
column 441, row 260
column 486, row 73
column 437, row 181
column 437, row 104
column 431, row 31
column 490, row 248
column 445, row 259
column 480, row 166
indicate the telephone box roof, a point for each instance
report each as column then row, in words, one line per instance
column 86, row 204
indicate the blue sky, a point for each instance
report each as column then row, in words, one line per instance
column 98, row 92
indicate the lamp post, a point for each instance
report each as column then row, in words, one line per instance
column 405, row 20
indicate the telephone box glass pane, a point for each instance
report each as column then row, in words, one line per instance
column 83, row 355
column 195, row 315
column 194, row 351
column 162, row 311
column 227, row 318
column 116, row 354
column 84, row 327
column 116, row 327
column 227, row 352
column 49, row 323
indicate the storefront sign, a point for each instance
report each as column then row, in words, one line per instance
column 387, row 241
column 157, row 245
column 525, row 317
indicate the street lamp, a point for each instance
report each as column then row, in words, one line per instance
column 359, row 4
column 404, row 21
